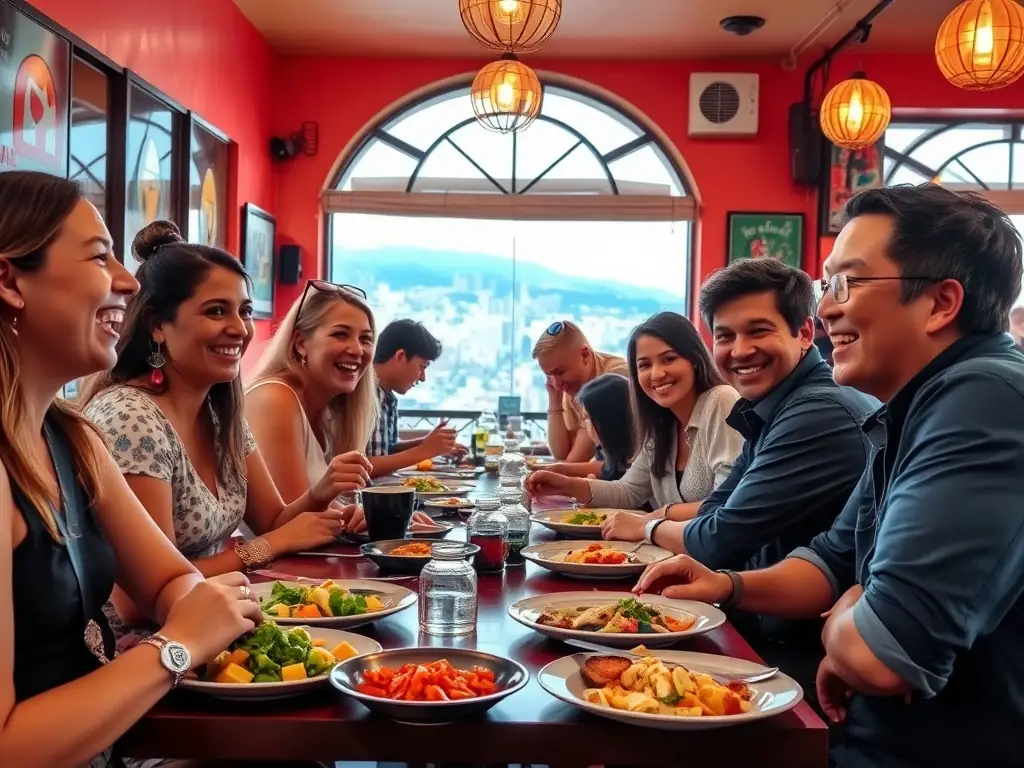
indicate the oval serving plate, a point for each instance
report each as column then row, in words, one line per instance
column 561, row 678
column 271, row 691
column 528, row 610
column 549, row 555
column 395, row 598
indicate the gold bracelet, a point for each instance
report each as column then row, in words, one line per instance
column 555, row 413
column 254, row 554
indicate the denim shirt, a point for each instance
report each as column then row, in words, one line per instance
column 934, row 534
column 803, row 454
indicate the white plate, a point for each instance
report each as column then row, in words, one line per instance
column 467, row 473
column 269, row 691
column 545, row 555
column 561, row 678
column 438, row 504
column 457, row 490
column 528, row 610
column 552, row 519
column 394, row 596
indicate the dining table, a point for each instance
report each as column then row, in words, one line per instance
column 528, row 727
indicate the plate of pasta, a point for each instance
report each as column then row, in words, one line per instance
column 669, row 690
column 430, row 487
column 595, row 560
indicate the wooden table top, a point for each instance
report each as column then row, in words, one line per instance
column 528, row 727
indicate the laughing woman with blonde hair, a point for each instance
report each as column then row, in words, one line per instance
column 311, row 400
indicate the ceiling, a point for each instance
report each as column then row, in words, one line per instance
column 622, row 29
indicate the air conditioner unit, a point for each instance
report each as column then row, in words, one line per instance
column 723, row 104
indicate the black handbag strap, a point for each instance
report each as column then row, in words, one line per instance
column 69, row 519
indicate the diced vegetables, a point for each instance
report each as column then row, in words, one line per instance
column 437, row 681
column 271, row 654
column 343, row 650
column 293, row 672
column 233, row 673
column 325, row 600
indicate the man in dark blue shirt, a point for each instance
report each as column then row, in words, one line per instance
column 923, row 573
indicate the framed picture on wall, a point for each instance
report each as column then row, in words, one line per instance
column 258, row 229
column 766, row 236
column 847, row 172
column 209, row 174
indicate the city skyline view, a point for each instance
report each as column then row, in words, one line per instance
column 488, row 289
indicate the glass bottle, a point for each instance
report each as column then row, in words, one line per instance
column 448, row 599
column 488, row 529
column 518, row 524
column 495, row 447
column 484, row 424
column 512, row 465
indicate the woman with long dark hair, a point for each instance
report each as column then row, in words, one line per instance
column 172, row 410
column 69, row 524
column 680, row 404
column 607, row 418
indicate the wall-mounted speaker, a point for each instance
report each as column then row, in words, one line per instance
column 289, row 264
column 806, row 145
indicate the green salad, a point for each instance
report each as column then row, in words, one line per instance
column 585, row 518
column 270, row 654
column 317, row 602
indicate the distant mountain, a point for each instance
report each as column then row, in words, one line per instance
column 404, row 268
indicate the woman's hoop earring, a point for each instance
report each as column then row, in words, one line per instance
column 156, row 361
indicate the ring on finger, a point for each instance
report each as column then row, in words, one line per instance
column 246, row 592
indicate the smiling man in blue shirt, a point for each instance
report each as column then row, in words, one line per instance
column 923, row 573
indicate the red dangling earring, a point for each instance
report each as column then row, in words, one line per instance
column 156, row 361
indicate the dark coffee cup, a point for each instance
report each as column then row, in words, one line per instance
column 388, row 510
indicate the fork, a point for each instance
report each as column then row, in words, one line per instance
column 720, row 676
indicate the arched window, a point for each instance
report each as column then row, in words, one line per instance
column 987, row 158
column 488, row 238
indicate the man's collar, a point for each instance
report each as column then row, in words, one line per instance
column 765, row 407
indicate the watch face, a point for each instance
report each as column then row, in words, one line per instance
column 176, row 657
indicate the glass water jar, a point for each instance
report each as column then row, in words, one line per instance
column 518, row 524
column 448, row 599
column 488, row 529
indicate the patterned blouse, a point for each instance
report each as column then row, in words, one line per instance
column 144, row 443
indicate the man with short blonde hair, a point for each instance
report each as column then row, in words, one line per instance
column 568, row 361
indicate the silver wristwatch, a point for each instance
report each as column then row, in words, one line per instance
column 174, row 656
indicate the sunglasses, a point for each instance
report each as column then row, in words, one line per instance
column 555, row 328
column 324, row 286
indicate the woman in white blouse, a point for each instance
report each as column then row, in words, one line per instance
column 680, row 404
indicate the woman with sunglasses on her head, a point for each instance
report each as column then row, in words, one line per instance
column 680, row 404
column 69, row 524
column 172, row 411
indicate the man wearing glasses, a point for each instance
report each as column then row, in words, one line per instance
column 922, row 575
column 568, row 361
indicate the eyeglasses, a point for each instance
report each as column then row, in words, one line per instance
column 325, row 287
column 839, row 285
column 555, row 328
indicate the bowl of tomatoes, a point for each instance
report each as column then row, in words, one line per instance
column 429, row 685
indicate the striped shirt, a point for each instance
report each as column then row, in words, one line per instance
column 384, row 437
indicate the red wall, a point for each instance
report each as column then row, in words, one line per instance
column 203, row 54
column 342, row 94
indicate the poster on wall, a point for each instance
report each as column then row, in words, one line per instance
column 766, row 236
column 848, row 172
column 258, row 257
column 35, row 85
column 208, row 186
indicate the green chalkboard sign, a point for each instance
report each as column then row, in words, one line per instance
column 766, row 235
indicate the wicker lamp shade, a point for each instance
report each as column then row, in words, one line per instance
column 980, row 45
column 506, row 95
column 517, row 26
column 855, row 113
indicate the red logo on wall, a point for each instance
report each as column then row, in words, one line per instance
column 37, row 134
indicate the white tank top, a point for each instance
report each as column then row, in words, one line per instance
column 316, row 463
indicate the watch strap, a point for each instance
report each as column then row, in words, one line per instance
column 651, row 528
column 737, row 589
column 160, row 642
